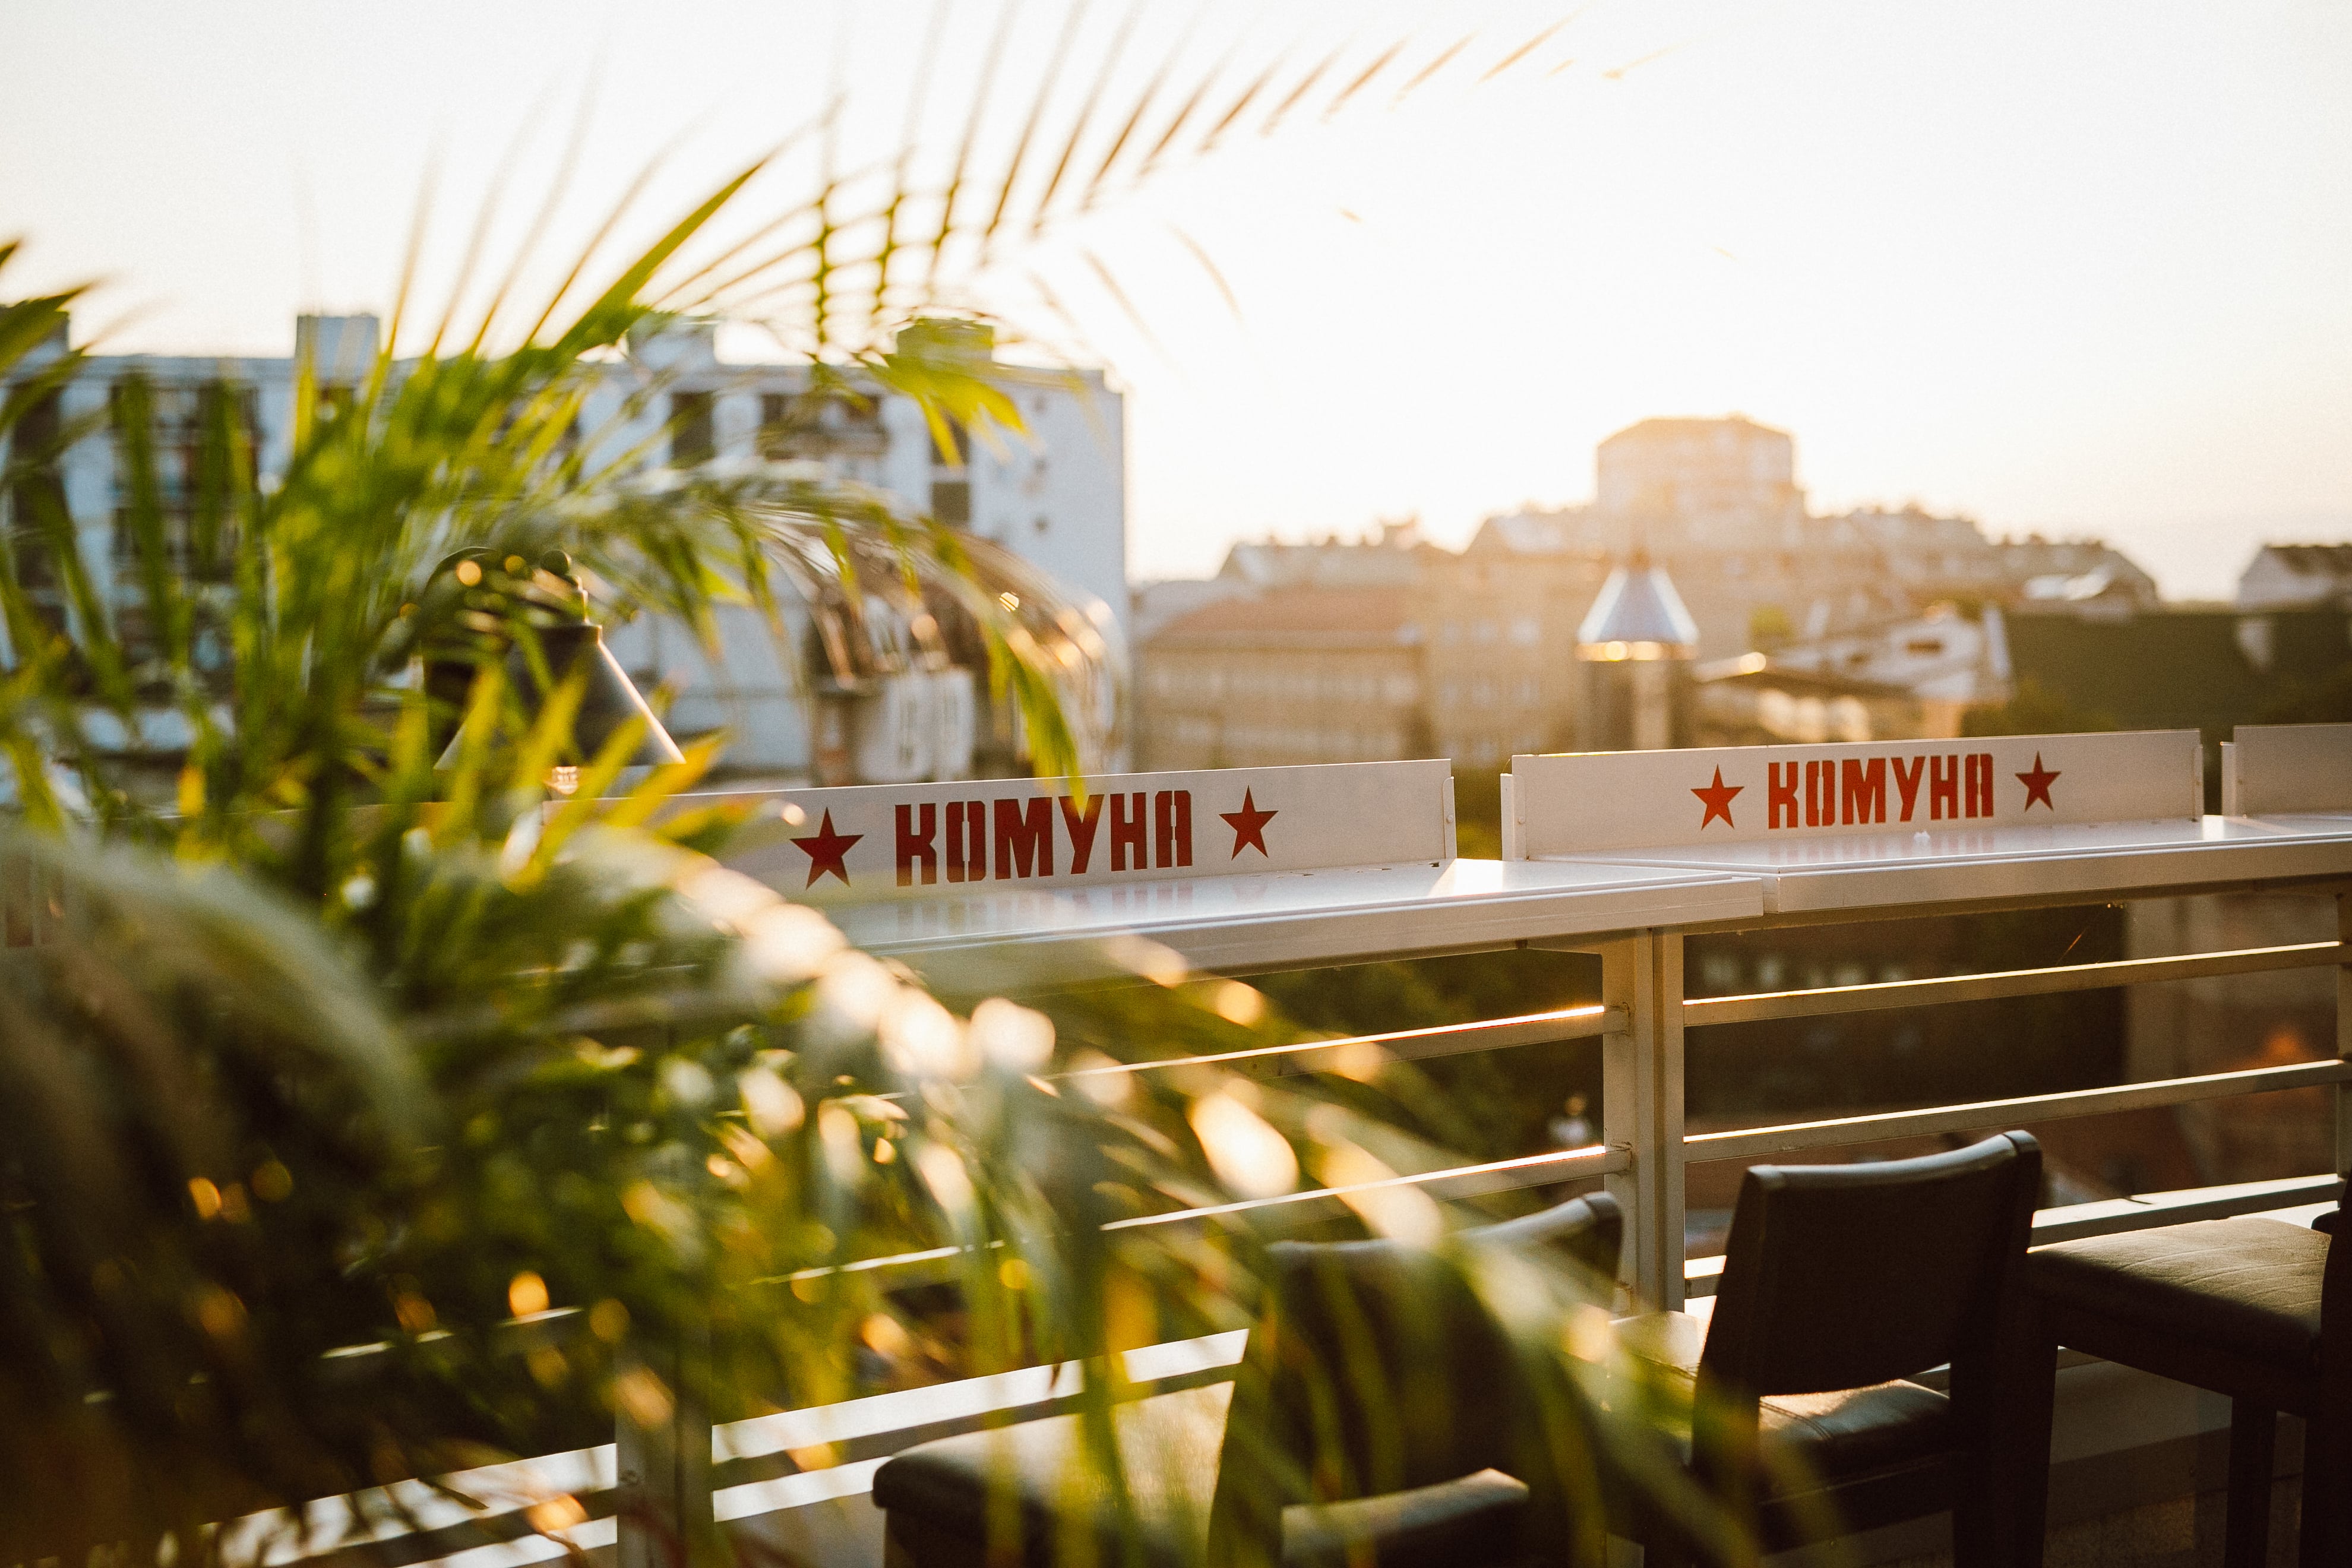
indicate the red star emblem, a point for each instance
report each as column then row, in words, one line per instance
column 825, row 848
column 1248, row 825
column 2037, row 784
column 1718, row 798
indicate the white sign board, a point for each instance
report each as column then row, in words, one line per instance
column 2272, row 769
column 1587, row 802
column 946, row 840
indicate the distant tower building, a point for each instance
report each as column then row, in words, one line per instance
column 1634, row 650
column 1702, row 485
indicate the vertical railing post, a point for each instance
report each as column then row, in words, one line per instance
column 662, row 1468
column 1642, row 1106
column 2344, row 1037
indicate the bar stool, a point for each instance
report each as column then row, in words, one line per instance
column 1373, row 1421
column 2255, row 1309
column 1842, row 1283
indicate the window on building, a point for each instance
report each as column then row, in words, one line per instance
column 1527, row 631
column 951, row 502
column 227, row 439
column 776, row 424
column 823, row 418
column 36, row 500
column 957, row 452
column 693, row 433
column 182, row 454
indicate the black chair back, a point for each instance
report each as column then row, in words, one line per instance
column 1373, row 1369
column 1589, row 1231
column 1844, row 1276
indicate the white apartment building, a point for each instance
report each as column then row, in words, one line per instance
column 1047, row 508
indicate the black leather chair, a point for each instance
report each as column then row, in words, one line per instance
column 2252, row 1308
column 1841, row 1284
column 1373, row 1422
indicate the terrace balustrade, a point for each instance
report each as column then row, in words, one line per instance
column 1627, row 856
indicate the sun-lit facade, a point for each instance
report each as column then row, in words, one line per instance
column 1045, row 509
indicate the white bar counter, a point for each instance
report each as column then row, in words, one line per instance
column 1282, row 919
column 1864, row 872
column 1850, row 830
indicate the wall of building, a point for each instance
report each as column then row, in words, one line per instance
column 1269, row 701
column 1054, row 496
column 1501, row 652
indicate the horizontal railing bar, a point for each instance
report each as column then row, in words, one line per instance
column 1995, row 984
column 1439, row 1040
column 1489, row 1034
column 2148, row 1211
column 2151, row 1210
column 1456, row 1182
column 1751, row 1142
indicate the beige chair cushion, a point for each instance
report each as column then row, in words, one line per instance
column 1828, row 1436
column 2247, row 1285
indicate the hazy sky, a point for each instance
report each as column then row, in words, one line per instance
column 2072, row 267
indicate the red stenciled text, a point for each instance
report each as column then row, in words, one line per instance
column 1854, row 792
column 1028, row 836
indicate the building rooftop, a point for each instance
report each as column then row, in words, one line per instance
column 1688, row 426
column 2314, row 560
column 1384, row 614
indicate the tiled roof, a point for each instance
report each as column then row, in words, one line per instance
column 1372, row 612
column 2314, row 560
column 1666, row 424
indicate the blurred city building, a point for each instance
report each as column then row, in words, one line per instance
column 1870, row 624
column 1915, row 677
column 2184, row 667
column 1299, row 674
column 896, row 695
column 2295, row 576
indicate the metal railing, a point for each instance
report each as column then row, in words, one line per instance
column 1642, row 1021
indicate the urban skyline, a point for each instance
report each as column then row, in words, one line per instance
column 2077, row 279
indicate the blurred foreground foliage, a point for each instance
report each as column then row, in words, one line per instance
column 368, row 1112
